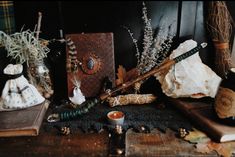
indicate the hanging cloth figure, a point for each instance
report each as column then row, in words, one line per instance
column 17, row 92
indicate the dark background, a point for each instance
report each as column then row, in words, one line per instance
column 187, row 18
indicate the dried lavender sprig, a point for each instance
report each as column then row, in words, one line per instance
column 156, row 55
column 155, row 50
column 148, row 31
column 135, row 44
column 148, row 36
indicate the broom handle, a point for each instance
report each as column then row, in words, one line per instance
column 156, row 70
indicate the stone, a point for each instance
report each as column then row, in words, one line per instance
column 189, row 77
column 90, row 64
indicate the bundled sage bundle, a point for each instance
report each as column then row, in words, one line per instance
column 219, row 24
column 131, row 99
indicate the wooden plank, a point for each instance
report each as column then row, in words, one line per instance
column 53, row 144
column 200, row 30
column 187, row 18
column 157, row 143
column 80, row 144
column 163, row 13
column 192, row 25
column 200, row 34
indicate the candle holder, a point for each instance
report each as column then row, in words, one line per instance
column 116, row 117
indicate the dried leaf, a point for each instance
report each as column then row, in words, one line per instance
column 223, row 149
column 196, row 136
column 121, row 74
column 131, row 74
column 205, row 145
column 203, row 148
column 124, row 76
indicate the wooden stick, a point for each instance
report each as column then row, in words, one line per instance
column 38, row 25
column 165, row 65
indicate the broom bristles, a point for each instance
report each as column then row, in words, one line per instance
column 224, row 62
column 220, row 27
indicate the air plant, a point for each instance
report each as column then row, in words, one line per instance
column 23, row 46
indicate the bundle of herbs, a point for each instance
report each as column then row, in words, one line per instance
column 219, row 24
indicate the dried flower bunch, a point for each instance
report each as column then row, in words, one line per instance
column 155, row 47
column 24, row 46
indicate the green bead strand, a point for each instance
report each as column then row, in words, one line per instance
column 67, row 115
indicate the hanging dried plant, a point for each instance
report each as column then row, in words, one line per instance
column 23, row 46
column 219, row 24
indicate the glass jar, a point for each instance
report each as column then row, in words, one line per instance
column 39, row 76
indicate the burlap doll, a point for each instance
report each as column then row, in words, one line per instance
column 17, row 92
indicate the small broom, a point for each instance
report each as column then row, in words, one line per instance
column 219, row 24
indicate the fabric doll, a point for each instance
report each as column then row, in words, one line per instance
column 17, row 92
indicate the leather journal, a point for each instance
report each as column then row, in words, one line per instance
column 204, row 117
column 89, row 57
column 23, row 122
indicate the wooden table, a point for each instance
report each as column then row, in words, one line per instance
column 82, row 144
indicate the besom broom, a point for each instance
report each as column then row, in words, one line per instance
column 219, row 22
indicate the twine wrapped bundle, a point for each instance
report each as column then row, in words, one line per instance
column 219, row 24
column 131, row 99
column 225, row 103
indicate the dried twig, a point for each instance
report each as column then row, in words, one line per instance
column 39, row 25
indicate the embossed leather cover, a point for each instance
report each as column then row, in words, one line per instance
column 99, row 46
column 25, row 122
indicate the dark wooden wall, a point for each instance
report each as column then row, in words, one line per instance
column 187, row 18
column 77, row 17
